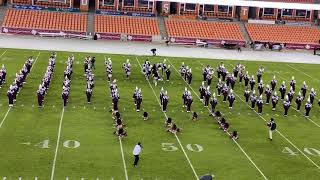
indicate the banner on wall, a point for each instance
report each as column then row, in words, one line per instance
column 120, row 13
column 39, row 8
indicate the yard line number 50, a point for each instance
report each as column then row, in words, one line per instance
column 191, row 147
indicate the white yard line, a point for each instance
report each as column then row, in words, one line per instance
column 35, row 61
column 247, row 156
column 123, row 160
column 3, row 53
column 57, row 146
column 193, row 170
column 299, row 111
column 280, row 133
column 301, row 72
column 5, row 116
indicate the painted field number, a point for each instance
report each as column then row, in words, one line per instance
column 191, row 147
column 310, row 151
column 71, row 144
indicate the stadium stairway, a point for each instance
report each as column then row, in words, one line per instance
column 162, row 27
column 244, row 32
column 3, row 10
column 90, row 23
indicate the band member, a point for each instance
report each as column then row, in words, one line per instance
column 168, row 72
column 89, row 94
column 127, row 68
column 252, row 82
column 184, row 97
column 163, row 67
column 10, row 97
column 209, row 77
column 189, row 101
column 260, row 105
column 308, row 107
column 220, row 69
column 241, row 73
column 286, row 106
column 259, row 73
column 299, row 100
column 219, row 87
column 225, row 92
column 165, row 101
column 274, row 99
column 202, row 90
column 231, row 99
column 138, row 100
column 293, row 83
column 291, row 94
column 268, row 93
column 213, row 103
column 194, row 116
column 189, row 76
column 312, row 95
column 155, row 74
column 247, row 94
column 182, row 70
column 205, row 72
column 253, row 99
column 260, row 87
column 108, row 64
column 3, row 75
column 246, row 79
column 65, row 96
column 145, row 116
column 272, row 126
column 232, row 81
column 161, row 95
column 207, row 96
column 273, row 83
column 283, row 90
column 304, row 89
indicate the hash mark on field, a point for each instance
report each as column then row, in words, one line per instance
column 82, row 178
column 277, row 114
column 35, row 178
column 67, row 178
column 74, row 107
column 53, row 106
column 4, row 178
column 20, row 178
column 295, row 115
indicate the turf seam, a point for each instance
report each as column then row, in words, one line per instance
column 248, row 157
column 194, row 172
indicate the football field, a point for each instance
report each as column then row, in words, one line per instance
column 77, row 142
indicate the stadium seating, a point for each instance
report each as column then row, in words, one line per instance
column 45, row 20
column 22, row 2
column 126, row 25
column 283, row 34
column 204, row 30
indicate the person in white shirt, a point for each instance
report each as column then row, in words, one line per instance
column 136, row 153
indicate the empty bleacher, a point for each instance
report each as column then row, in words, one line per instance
column 283, row 34
column 126, row 25
column 45, row 20
column 204, row 30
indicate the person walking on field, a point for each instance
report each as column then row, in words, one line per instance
column 271, row 126
column 136, row 152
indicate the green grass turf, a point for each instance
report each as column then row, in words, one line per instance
column 99, row 154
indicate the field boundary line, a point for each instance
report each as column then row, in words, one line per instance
column 302, row 72
column 35, row 61
column 5, row 116
column 278, row 131
column 57, row 146
column 299, row 111
column 3, row 53
column 165, row 114
column 123, row 160
column 239, row 146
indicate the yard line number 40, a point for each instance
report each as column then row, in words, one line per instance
column 310, row 151
column 191, row 147
column 71, row 144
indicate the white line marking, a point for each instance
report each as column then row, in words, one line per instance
column 35, row 178
column 194, row 172
column 123, row 160
column 67, row 178
column 301, row 72
column 5, row 116
column 282, row 135
column 20, row 178
column 248, row 157
column 57, row 146
column 3, row 53
column 35, row 62
column 4, row 178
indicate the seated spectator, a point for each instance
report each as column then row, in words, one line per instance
column 234, row 135
column 194, row 116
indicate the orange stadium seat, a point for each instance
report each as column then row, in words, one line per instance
column 126, row 25
column 204, row 30
column 283, row 34
column 45, row 20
